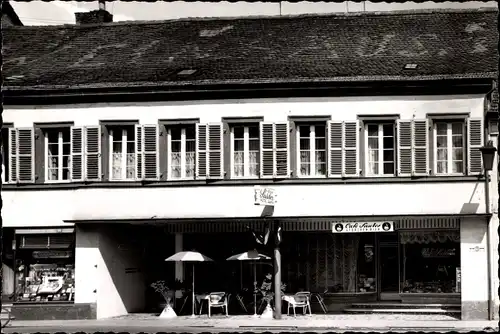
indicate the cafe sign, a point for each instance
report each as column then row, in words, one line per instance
column 357, row 227
column 52, row 254
column 264, row 196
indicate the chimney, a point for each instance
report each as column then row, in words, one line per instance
column 100, row 15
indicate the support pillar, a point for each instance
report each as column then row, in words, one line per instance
column 179, row 266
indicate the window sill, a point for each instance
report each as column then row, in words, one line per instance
column 243, row 182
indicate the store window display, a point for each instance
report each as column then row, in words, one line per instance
column 45, row 274
column 430, row 261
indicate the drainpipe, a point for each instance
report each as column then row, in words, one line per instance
column 488, row 244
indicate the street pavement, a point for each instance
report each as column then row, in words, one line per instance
column 136, row 323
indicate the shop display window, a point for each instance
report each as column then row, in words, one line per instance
column 430, row 261
column 44, row 274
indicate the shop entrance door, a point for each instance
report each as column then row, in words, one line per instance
column 388, row 251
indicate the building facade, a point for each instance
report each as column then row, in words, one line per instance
column 380, row 187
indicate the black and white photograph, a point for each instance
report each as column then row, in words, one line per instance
column 245, row 166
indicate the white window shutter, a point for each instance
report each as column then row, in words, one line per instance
column 77, row 149
column 12, row 155
column 25, row 155
column 215, row 151
column 267, row 158
column 404, row 142
column 151, row 161
column 350, row 140
column 334, row 148
column 93, row 164
column 281, row 156
column 201, row 150
column 475, row 140
column 420, row 149
column 139, row 152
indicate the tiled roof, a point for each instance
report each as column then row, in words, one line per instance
column 336, row 47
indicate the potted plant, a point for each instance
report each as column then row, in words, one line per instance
column 167, row 294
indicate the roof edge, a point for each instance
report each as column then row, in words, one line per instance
column 163, row 84
column 284, row 17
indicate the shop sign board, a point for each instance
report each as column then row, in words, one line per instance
column 52, row 254
column 458, row 279
column 356, row 227
column 264, row 196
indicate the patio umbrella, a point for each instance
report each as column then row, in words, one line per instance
column 251, row 256
column 189, row 257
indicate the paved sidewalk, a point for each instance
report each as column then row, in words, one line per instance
column 288, row 323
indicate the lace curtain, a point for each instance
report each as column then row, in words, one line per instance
column 175, row 165
column 117, row 172
column 239, row 163
column 336, row 262
column 426, row 237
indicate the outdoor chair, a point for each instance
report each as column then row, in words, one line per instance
column 300, row 299
column 319, row 298
column 218, row 299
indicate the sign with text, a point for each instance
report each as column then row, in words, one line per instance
column 458, row 279
column 264, row 196
column 52, row 254
column 363, row 227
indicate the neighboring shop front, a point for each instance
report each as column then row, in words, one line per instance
column 39, row 269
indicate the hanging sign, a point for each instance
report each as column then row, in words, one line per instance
column 52, row 254
column 386, row 226
column 458, row 279
column 264, row 196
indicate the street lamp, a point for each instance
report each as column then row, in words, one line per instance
column 488, row 153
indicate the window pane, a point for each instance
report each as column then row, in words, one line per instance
column 253, row 131
column 320, row 131
column 305, row 131
column 254, row 145
column 53, row 174
column 305, row 169
column 66, row 136
column 304, row 144
column 372, row 143
column 320, row 156
column 116, row 165
column 117, row 146
column 52, row 136
column 175, row 133
column 458, row 154
column 176, row 146
column 457, row 141
column 457, row 128
column 320, row 143
column 441, row 141
column 373, row 130
column 190, row 156
column 388, row 168
column 388, row 156
column 442, row 154
column 67, row 149
column 321, row 169
column 373, row 155
column 458, row 166
column 388, row 130
column 190, row 132
column 190, row 146
column 238, row 145
column 238, row 132
column 388, row 142
column 441, row 128
column 442, row 167
column 53, row 149
column 373, row 167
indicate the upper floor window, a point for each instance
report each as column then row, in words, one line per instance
column 245, row 150
column 379, row 148
column 57, row 154
column 449, row 147
column 4, row 150
column 122, row 147
column 312, row 149
column 182, row 148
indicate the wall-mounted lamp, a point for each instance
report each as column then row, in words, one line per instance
column 488, row 153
